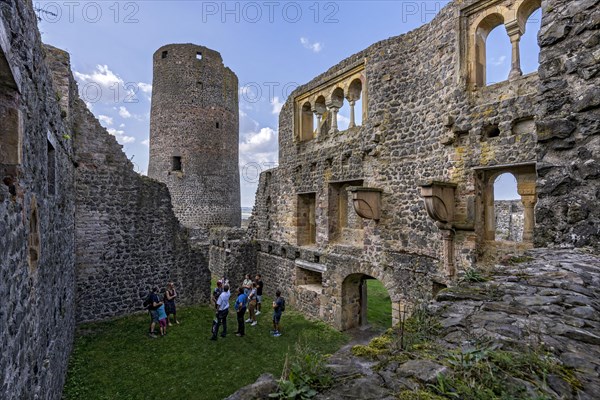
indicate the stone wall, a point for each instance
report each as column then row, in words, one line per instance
column 232, row 255
column 37, row 213
column 195, row 117
column 423, row 120
column 509, row 220
column 567, row 213
column 128, row 238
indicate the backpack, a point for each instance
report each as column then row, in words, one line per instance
column 282, row 306
column 148, row 300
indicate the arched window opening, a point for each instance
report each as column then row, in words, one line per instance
column 336, row 103
column 497, row 55
column 508, row 209
column 344, row 117
column 530, row 49
column 321, row 116
column 355, row 101
column 306, row 122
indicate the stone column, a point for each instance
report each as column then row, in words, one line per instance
column 515, row 70
column 527, row 191
column 352, row 123
column 319, row 116
column 334, row 123
column 528, row 217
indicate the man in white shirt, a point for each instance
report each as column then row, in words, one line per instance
column 222, row 312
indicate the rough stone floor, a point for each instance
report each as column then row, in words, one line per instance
column 553, row 300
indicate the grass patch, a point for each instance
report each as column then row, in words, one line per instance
column 379, row 305
column 116, row 360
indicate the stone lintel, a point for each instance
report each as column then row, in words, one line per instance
column 317, row 267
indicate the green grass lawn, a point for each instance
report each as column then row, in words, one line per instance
column 379, row 305
column 116, row 359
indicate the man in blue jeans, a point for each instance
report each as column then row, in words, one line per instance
column 222, row 312
column 154, row 303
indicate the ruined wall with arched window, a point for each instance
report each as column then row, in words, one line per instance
column 419, row 170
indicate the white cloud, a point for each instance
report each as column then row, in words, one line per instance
column 145, row 87
column 146, row 142
column 124, row 113
column 498, row 61
column 106, row 86
column 315, row 47
column 120, row 135
column 105, row 119
column 277, row 104
column 122, row 126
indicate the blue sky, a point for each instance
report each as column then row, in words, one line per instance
column 272, row 46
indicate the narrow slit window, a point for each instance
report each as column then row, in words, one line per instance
column 218, row 125
column 51, row 172
column 176, row 163
column 164, row 54
column 199, row 55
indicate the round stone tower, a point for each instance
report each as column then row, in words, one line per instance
column 194, row 132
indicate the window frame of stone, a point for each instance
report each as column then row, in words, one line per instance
column 324, row 102
column 477, row 20
column 11, row 119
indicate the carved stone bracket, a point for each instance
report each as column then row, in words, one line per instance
column 439, row 203
column 366, row 201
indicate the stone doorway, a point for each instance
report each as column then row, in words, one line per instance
column 357, row 307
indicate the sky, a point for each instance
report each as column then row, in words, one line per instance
column 272, row 46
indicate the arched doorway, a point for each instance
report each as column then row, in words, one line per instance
column 365, row 302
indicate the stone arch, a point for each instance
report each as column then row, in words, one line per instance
column 524, row 9
column 320, row 111
column 348, row 287
column 482, row 29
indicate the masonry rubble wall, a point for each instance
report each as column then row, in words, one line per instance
column 195, row 117
column 37, row 214
column 568, row 125
column 128, row 238
column 424, row 122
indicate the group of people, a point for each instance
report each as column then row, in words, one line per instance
column 249, row 299
column 161, row 308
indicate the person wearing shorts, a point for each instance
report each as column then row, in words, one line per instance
column 155, row 303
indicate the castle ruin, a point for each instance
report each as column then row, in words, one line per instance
column 194, row 134
column 403, row 195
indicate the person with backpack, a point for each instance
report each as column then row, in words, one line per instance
column 152, row 302
column 222, row 312
column 240, row 307
column 278, row 309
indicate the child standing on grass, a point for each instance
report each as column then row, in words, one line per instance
column 162, row 319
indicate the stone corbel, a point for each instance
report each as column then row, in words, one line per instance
column 439, row 203
column 366, row 201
